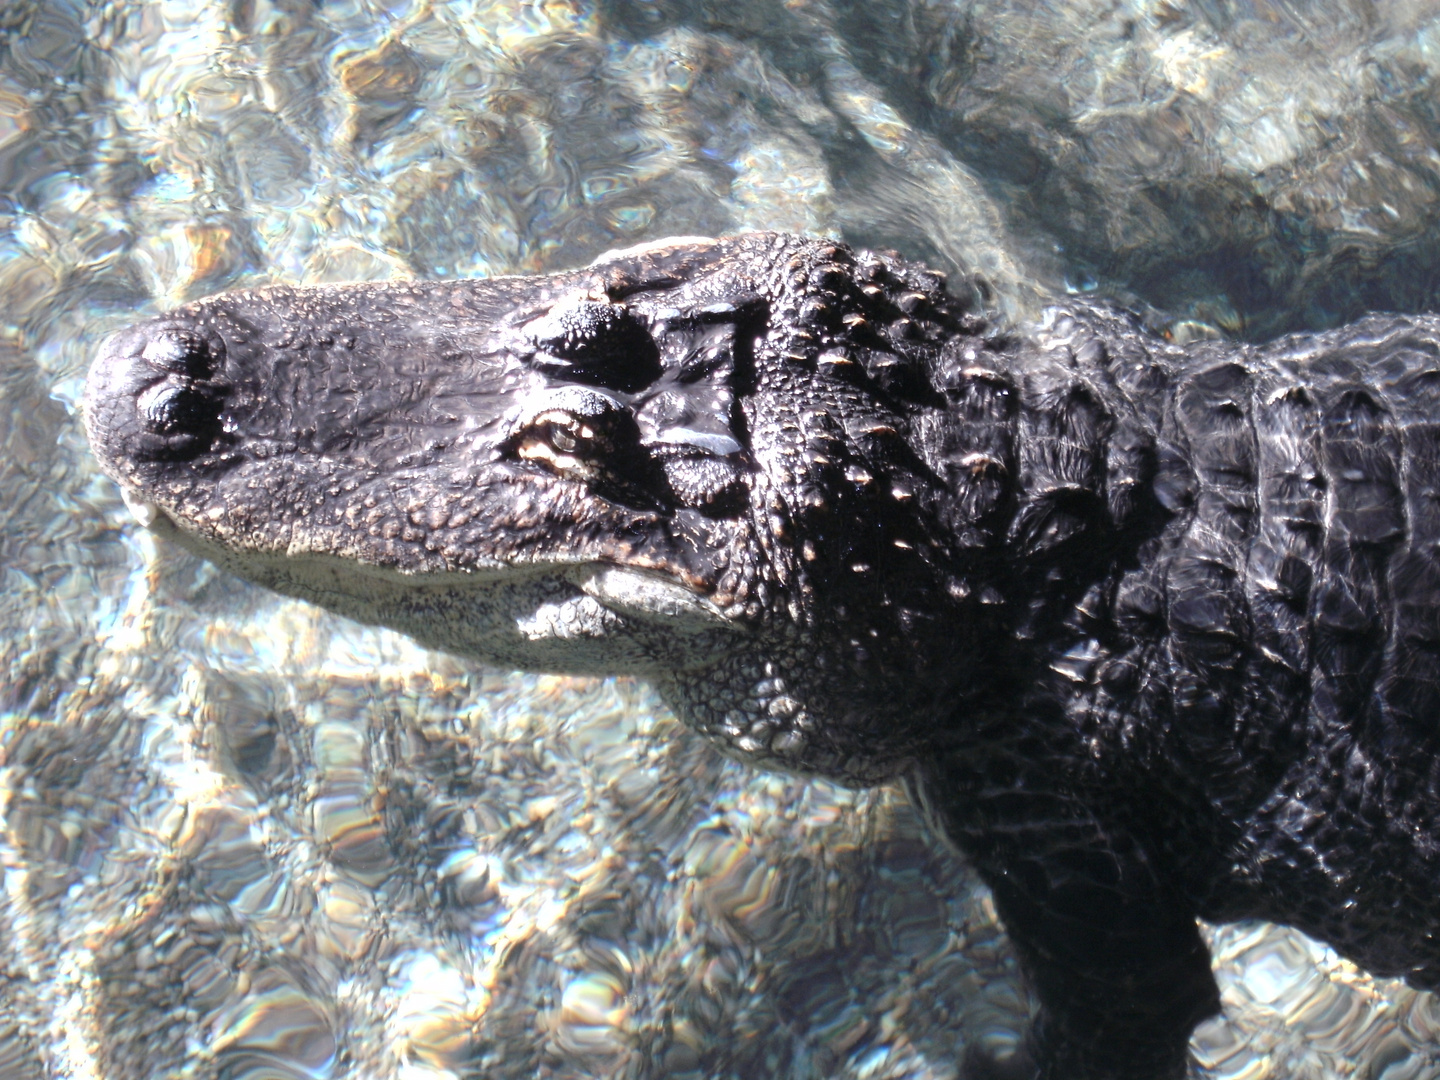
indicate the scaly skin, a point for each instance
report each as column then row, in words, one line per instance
column 1150, row 632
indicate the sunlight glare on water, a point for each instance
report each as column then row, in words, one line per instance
column 246, row 839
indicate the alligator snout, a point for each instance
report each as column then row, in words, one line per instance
column 156, row 394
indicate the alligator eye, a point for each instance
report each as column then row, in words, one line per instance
column 561, row 440
column 572, row 430
column 563, row 432
column 596, row 342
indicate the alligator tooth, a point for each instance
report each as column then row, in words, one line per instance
column 631, row 592
column 146, row 513
column 574, row 619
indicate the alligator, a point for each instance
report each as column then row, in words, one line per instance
column 1149, row 631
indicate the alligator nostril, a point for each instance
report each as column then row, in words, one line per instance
column 182, row 352
column 173, row 409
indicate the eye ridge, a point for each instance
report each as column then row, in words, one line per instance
column 595, row 341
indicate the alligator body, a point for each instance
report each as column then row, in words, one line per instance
column 1150, row 632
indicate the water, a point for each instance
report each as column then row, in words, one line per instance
column 244, row 839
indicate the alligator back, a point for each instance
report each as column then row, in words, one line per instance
column 1217, row 564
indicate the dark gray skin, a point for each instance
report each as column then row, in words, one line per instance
column 1150, row 632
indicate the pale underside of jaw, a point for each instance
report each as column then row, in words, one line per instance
column 605, row 590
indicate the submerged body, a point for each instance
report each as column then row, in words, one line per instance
column 1150, row 632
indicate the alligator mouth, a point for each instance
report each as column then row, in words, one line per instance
column 583, row 615
column 634, row 591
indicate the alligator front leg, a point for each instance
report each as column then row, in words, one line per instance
column 1112, row 958
column 1120, row 981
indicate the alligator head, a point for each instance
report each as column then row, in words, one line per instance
column 692, row 461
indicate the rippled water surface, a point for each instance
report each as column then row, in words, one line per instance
column 244, row 839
